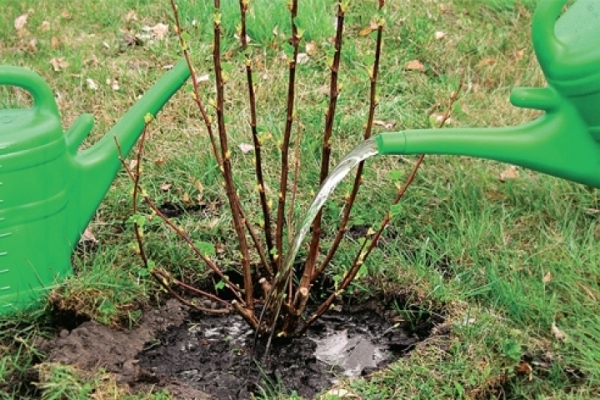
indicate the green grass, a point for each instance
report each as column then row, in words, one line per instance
column 520, row 256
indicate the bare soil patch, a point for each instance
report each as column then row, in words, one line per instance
column 196, row 356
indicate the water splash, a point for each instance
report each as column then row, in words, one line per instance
column 364, row 150
column 353, row 353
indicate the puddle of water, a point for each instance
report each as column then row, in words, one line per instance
column 350, row 353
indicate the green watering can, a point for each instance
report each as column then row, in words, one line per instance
column 48, row 190
column 565, row 140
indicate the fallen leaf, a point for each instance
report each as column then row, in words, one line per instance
column 213, row 222
column 386, row 125
column 437, row 119
column 159, row 161
column 439, row 35
column 246, row 147
column 199, row 186
column 372, row 27
column 132, row 164
column 113, row 83
column 310, row 48
column 302, row 58
column 236, row 36
column 91, row 84
column 45, row 26
column 202, row 78
column 486, row 62
column 55, row 42
column 32, row 46
column 186, row 199
column 525, row 369
column 131, row 16
column 558, row 334
column 518, row 55
column 159, row 31
column 20, row 22
column 509, row 173
column 547, row 277
column 58, row 64
column 341, row 394
column 106, row 45
column 166, row 186
column 414, row 65
column 65, row 14
column 88, row 236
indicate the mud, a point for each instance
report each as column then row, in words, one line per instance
column 196, row 356
column 91, row 346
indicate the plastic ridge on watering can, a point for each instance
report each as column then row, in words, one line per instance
column 565, row 140
column 48, row 190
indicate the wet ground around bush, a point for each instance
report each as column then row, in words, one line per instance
column 196, row 356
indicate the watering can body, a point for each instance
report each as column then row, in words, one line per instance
column 565, row 140
column 49, row 190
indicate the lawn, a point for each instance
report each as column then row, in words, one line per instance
column 507, row 256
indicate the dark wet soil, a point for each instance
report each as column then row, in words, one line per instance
column 196, row 356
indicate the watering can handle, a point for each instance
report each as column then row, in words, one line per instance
column 43, row 98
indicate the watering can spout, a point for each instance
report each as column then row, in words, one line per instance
column 96, row 167
column 557, row 143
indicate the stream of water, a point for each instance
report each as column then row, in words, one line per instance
column 364, row 150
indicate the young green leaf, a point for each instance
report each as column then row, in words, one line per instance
column 205, row 248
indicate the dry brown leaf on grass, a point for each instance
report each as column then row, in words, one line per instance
column 202, row 78
column 509, row 173
column 131, row 16
column 246, row 147
column 385, row 124
column 198, row 185
column 32, row 46
column 525, row 369
column 414, row 65
column 58, row 64
column 91, row 84
column 518, row 55
column 372, row 27
column 113, row 83
column 20, row 22
column 547, row 277
column 310, row 48
column 302, row 58
column 558, row 334
column 158, row 31
column 437, row 118
column 88, row 236
column 166, row 186
column 54, row 42
column 439, row 35
column 341, row 393
column 486, row 62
